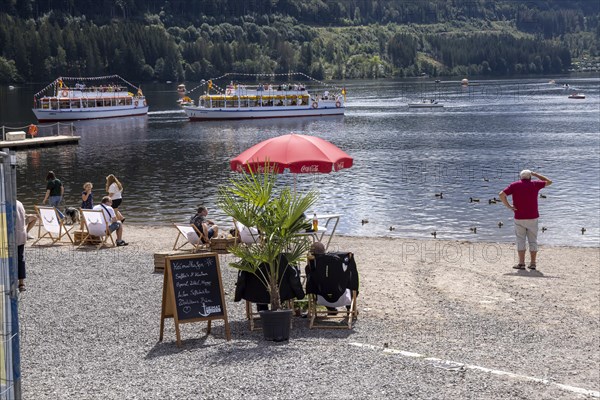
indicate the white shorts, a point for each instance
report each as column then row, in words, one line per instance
column 526, row 229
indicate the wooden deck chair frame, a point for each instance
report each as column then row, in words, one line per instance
column 90, row 232
column 182, row 232
column 319, row 318
column 253, row 315
column 52, row 223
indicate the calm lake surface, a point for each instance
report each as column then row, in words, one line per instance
column 472, row 148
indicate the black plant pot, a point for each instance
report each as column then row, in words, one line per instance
column 276, row 324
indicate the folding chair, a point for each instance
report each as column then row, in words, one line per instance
column 96, row 225
column 245, row 234
column 191, row 235
column 52, row 223
column 332, row 281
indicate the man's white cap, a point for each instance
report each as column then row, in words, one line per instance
column 525, row 174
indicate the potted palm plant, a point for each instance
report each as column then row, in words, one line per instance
column 255, row 200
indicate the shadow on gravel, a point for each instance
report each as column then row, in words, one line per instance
column 169, row 346
column 531, row 274
column 247, row 344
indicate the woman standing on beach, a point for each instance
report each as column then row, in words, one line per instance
column 54, row 192
column 21, row 238
column 114, row 188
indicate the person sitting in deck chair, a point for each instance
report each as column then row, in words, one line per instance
column 111, row 218
column 204, row 225
column 333, row 284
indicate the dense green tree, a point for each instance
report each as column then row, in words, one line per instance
column 177, row 39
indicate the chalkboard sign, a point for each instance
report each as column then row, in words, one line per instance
column 193, row 291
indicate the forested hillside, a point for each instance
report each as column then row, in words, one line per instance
column 197, row 39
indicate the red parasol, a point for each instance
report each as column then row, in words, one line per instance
column 298, row 153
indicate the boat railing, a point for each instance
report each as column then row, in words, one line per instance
column 41, row 130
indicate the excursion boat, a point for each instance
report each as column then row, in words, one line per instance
column 577, row 96
column 237, row 101
column 426, row 103
column 185, row 101
column 71, row 99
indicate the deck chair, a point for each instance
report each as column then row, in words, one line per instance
column 244, row 234
column 53, row 225
column 332, row 281
column 95, row 225
column 190, row 235
column 250, row 288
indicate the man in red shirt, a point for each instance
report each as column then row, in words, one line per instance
column 525, row 206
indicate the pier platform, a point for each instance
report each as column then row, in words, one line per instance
column 39, row 142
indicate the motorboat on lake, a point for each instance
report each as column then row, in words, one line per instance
column 577, row 96
column 426, row 103
column 71, row 99
column 286, row 100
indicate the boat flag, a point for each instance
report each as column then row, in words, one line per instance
column 344, row 94
column 209, row 84
column 139, row 92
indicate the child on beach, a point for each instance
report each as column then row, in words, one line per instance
column 87, row 197
column 87, row 200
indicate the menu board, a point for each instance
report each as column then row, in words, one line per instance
column 197, row 287
column 193, row 291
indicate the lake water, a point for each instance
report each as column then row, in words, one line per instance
column 472, row 148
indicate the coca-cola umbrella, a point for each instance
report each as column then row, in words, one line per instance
column 297, row 153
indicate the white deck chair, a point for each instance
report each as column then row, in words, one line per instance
column 95, row 224
column 246, row 235
column 53, row 225
column 191, row 235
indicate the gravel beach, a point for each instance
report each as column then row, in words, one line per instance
column 438, row 320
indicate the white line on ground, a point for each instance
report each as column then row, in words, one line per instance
column 569, row 388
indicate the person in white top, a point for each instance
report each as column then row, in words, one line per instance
column 109, row 214
column 20, row 238
column 114, row 188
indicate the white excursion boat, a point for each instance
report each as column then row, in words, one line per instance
column 239, row 101
column 86, row 98
column 426, row 103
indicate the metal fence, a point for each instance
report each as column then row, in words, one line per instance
column 10, row 363
column 41, row 130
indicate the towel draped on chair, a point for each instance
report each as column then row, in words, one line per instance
column 251, row 288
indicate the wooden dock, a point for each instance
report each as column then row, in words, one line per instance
column 39, row 142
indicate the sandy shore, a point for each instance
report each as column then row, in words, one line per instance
column 90, row 323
